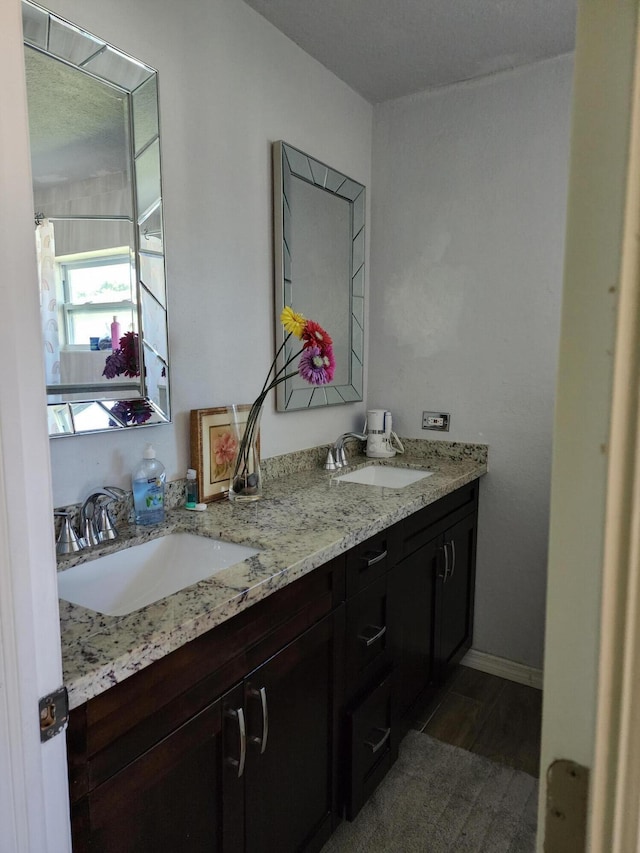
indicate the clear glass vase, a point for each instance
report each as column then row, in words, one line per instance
column 245, row 483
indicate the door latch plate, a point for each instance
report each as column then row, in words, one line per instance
column 54, row 713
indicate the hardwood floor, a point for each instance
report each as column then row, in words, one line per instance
column 489, row 716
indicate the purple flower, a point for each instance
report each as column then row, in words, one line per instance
column 315, row 367
column 115, row 364
column 131, row 411
column 125, row 359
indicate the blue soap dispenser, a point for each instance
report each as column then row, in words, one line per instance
column 148, row 488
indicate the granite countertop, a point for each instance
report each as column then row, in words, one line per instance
column 304, row 519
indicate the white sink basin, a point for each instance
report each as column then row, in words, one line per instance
column 383, row 475
column 127, row 580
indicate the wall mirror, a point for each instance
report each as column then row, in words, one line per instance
column 319, row 219
column 95, row 155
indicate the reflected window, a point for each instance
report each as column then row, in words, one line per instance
column 95, row 290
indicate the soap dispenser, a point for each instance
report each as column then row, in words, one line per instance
column 148, row 488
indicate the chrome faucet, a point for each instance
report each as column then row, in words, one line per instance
column 336, row 457
column 97, row 525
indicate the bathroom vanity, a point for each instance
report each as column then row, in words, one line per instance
column 254, row 711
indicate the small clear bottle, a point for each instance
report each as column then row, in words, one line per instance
column 191, row 493
column 148, row 489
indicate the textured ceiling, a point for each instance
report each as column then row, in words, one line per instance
column 77, row 124
column 388, row 48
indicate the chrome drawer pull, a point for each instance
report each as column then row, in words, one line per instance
column 375, row 747
column 371, row 640
column 238, row 714
column 446, row 564
column 262, row 695
column 453, row 552
column 371, row 561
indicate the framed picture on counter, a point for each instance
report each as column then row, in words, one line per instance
column 213, row 450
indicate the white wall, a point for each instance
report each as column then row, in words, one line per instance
column 230, row 84
column 467, row 244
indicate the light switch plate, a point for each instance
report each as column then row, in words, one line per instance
column 436, row 420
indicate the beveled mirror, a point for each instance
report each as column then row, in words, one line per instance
column 319, row 219
column 95, row 154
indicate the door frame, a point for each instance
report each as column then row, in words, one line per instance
column 593, row 597
column 34, row 803
column 615, row 785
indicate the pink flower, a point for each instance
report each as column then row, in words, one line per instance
column 329, row 362
column 224, row 448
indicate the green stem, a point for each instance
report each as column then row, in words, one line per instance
column 242, row 464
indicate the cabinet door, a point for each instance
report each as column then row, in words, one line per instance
column 169, row 799
column 456, row 587
column 412, row 599
column 290, row 710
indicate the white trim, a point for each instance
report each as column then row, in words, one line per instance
column 509, row 669
column 615, row 785
column 33, row 778
column 13, row 785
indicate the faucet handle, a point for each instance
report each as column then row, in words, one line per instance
column 330, row 462
column 104, row 525
column 68, row 541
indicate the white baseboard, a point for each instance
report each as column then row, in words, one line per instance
column 508, row 669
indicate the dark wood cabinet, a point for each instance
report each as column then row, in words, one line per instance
column 290, row 717
column 261, row 734
column 454, row 596
column 432, row 594
column 226, row 745
column 413, row 591
column 166, row 800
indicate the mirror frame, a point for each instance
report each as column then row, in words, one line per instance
column 290, row 164
column 38, row 25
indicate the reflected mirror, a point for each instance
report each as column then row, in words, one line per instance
column 319, row 218
column 95, row 156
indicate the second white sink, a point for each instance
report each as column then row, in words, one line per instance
column 384, row 475
column 135, row 577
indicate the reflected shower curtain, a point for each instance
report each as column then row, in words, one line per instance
column 46, row 252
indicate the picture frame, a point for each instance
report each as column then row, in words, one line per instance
column 213, row 450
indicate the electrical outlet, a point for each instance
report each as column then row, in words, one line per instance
column 436, row 420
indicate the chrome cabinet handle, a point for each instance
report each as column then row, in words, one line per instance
column 371, row 640
column 453, row 552
column 371, row 561
column 375, row 747
column 262, row 695
column 446, row 564
column 238, row 714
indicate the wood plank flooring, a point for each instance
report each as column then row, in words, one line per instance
column 489, row 716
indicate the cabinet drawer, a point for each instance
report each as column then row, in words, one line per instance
column 372, row 559
column 368, row 650
column 371, row 747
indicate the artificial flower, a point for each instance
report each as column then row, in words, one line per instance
column 314, row 335
column 136, row 411
column 317, row 366
column 124, row 359
column 293, row 322
column 329, row 362
column 312, row 366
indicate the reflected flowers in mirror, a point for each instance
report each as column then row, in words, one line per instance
column 124, row 360
column 131, row 412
